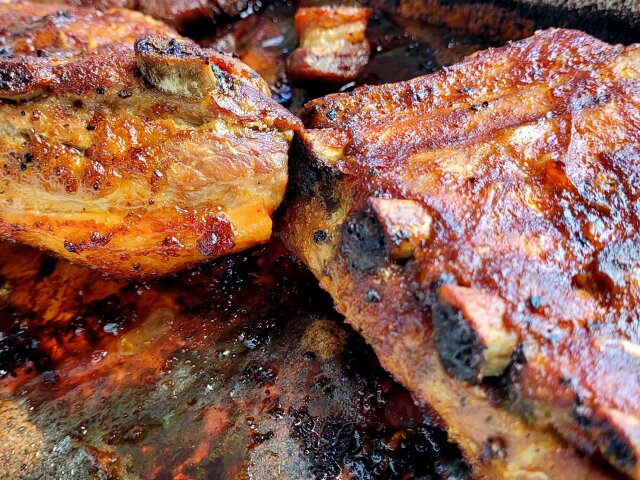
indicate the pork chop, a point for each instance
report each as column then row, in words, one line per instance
column 129, row 149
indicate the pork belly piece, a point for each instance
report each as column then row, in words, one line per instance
column 134, row 160
column 177, row 13
column 480, row 227
column 333, row 46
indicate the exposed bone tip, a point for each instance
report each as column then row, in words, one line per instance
column 175, row 66
column 472, row 338
column 406, row 224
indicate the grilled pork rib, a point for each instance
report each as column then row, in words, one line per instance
column 136, row 161
column 480, row 227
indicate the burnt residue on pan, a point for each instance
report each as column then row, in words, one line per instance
column 239, row 369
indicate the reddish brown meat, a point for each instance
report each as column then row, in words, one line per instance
column 480, row 227
column 333, row 47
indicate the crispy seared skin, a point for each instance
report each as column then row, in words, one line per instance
column 136, row 161
column 480, row 227
column 177, row 13
column 333, row 46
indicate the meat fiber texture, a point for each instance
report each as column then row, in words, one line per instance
column 177, row 13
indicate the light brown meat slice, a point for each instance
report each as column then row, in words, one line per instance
column 136, row 161
column 480, row 227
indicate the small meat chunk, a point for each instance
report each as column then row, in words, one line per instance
column 333, row 46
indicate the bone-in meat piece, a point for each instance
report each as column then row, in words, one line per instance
column 515, row 316
column 134, row 160
column 333, row 46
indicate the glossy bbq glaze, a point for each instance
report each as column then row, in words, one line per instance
column 180, row 14
column 100, row 376
column 523, row 160
column 206, row 374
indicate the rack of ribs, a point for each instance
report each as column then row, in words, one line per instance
column 479, row 226
column 129, row 149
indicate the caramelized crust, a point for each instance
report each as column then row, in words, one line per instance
column 135, row 161
column 515, row 316
column 333, row 47
column 177, row 13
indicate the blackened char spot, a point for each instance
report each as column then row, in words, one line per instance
column 15, row 77
column 47, row 267
column 95, row 241
column 310, row 178
column 363, row 243
column 612, row 442
column 582, row 420
column 70, row 247
column 618, row 448
column 459, row 348
column 320, row 236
